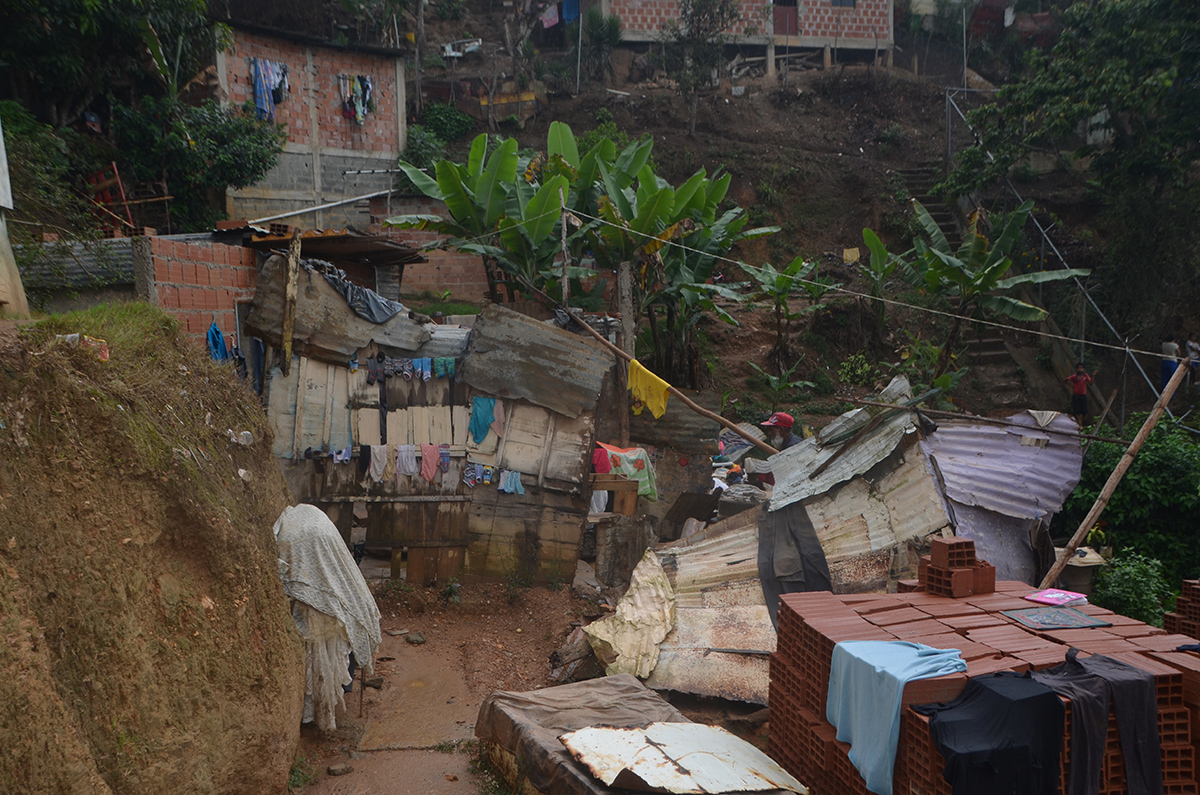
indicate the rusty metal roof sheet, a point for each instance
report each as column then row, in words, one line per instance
column 679, row 758
column 1024, row 472
column 719, row 652
column 514, row 356
column 343, row 245
column 793, row 467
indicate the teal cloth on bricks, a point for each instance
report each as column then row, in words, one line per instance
column 483, row 411
column 866, row 685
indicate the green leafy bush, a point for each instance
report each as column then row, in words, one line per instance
column 1135, row 586
column 446, row 121
column 448, row 9
column 1153, row 511
column 423, row 150
column 856, row 370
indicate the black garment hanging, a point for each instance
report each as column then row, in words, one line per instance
column 1002, row 736
column 1090, row 683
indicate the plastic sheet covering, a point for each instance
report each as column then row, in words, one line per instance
column 528, row 725
column 326, row 652
column 367, row 304
column 318, row 571
column 627, row 642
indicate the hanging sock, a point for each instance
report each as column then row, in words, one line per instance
column 439, row 367
column 451, row 364
column 487, row 475
column 406, row 369
column 426, row 368
column 444, row 457
column 469, row 476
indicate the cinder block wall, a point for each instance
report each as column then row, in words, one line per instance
column 197, row 282
column 462, row 274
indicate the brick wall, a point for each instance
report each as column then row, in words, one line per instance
column 461, row 274
column 379, row 132
column 816, row 18
column 197, row 282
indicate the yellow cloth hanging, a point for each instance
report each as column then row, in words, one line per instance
column 648, row 388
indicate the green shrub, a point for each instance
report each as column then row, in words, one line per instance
column 423, row 150
column 892, row 135
column 1153, row 511
column 856, row 370
column 433, row 61
column 447, row 122
column 448, row 9
column 1135, row 586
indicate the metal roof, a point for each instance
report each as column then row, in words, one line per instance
column 343, row 245
column 514, row 356
column 793, row 467
column 1024, row 472
column 679, row 758
column 102, row 263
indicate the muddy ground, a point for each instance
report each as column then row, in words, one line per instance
column 415, row 734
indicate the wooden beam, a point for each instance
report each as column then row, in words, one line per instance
column 290, row 294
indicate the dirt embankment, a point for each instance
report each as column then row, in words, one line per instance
column 147, row 644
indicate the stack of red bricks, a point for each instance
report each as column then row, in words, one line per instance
column 810, row 624
column 1186, row 618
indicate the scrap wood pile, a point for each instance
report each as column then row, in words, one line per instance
column 811, row 624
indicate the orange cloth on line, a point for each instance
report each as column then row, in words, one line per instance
column 648, row 388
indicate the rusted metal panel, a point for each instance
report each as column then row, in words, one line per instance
column 513, row 356
column 680, row 427
column 326, row 328
column 688, row 660
column 678, row 758
column 1024, row 472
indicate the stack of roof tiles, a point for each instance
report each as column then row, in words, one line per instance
column 810, row 624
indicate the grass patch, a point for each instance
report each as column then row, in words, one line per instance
column 301, row 775
column 428, row 303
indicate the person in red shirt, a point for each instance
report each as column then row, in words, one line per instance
column 1079, row 384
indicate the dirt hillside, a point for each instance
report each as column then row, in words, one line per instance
column 147, row 644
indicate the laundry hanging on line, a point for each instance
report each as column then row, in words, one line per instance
column 357, row 94
column 271, row 85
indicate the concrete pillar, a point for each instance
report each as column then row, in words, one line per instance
column 891, row 57
column 827, row 59
column 771, row 59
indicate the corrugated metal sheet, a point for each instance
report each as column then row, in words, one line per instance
column 679, row 758
column 793, row 467
column 1002, row 541
column 513, row 356
column 1024, row 472
column 444, row 341
column 718, row 652
column 103, row 263
column 680, row 428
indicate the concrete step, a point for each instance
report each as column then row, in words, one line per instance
column 985, row 344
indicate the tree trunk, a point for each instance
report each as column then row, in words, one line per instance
column 947, row 349
column 489, row 268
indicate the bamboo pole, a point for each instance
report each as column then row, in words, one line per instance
column 712, row 415
column 290, row 294
column 1114, row 479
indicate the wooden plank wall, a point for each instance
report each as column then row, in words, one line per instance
column 444, row 524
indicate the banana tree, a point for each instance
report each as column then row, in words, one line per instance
column 475, row 193
column 778, row 286
column 973, row 276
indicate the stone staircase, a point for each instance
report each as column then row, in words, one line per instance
column 992, row 363
column 920, row 181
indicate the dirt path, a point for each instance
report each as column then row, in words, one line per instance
column 415, row 733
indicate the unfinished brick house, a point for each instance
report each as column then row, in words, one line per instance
column 342, row 107
column 836, row 24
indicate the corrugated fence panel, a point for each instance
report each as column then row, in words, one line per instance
column 680, row 427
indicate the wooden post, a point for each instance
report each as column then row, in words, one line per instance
column 1114, row 479
column 628, row 339
column 566, row 283
column 291, row 292
column 827, row 58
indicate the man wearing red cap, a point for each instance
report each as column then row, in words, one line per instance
column 779, row 431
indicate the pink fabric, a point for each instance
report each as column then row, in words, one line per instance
column 429, row 461
column 498, row 418
column 600, row 462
